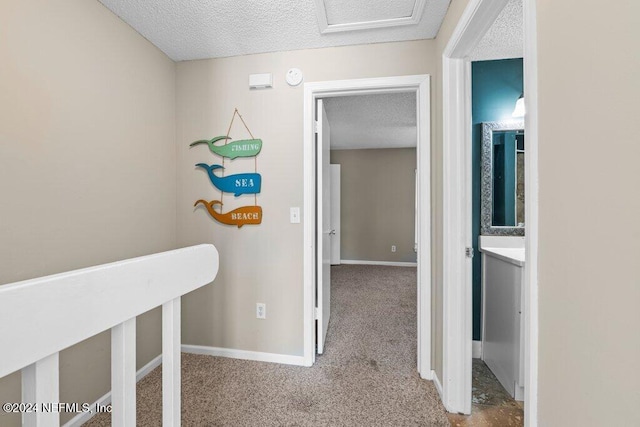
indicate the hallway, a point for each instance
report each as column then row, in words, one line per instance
column 367, row 375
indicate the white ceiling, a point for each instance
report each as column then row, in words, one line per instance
column 372, row 121
column 190, row 29
column 505, row 38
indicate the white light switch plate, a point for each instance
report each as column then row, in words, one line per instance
column 294, row 213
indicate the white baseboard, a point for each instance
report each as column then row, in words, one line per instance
column 257, row 356
column 476, row 350
column 83, row 417
column 389, row 263
column 146, row 369
column 436, row 381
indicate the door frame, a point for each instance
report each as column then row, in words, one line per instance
column 335, row 171
column 457, row 290
column 420, row 84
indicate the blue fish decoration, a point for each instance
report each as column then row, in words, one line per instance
column 242, row 183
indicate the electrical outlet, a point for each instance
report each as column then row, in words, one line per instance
column 393, row 248
column 261, row 310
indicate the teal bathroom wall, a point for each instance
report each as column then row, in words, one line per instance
column 495, row 88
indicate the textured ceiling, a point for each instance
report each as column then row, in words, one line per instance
column 505, row 38
column 372, row 121
column 189, row 29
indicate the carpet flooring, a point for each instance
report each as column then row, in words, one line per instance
column 366, row 377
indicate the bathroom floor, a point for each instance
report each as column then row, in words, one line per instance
column 491, row 405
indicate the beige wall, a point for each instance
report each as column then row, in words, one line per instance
column 87, row 161
column 377, row 203
column 589, row 218
column 456, row 8
column 261, row 263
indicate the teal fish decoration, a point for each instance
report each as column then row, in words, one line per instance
column 243, row 183
column 232, row 150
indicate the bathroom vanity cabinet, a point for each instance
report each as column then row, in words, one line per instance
column 503, row 260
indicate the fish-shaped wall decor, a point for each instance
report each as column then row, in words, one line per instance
column 238, row 184
column 232, row 150
column 245, row 215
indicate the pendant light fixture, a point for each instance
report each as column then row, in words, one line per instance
column 518, row 112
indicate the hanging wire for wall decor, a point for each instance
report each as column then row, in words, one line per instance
column 238, row 184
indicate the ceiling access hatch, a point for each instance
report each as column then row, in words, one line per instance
column 338, row 16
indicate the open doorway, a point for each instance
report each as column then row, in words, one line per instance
column 370, row 228
column 314, row 303
column 471, row 33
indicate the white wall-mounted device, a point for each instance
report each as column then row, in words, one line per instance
column 294, row 77
column 260, row 81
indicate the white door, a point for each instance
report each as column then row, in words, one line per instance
column 335, row 214
column 323, row 239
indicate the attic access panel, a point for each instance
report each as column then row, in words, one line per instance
column 338, row 16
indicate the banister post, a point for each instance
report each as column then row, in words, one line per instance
column 123, row 374
column 40, row 386
column 171, row 412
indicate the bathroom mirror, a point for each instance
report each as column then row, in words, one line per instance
column 502, row 196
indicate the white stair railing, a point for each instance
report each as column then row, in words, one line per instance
column 41, row 317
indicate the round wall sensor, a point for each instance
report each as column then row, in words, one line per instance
column 294, row 77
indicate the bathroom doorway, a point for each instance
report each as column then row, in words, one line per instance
column 475, row 23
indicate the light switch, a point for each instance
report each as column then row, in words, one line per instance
column 295, row 215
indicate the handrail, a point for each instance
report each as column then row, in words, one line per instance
column 40, row 317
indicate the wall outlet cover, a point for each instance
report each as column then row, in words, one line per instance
column 261, row 310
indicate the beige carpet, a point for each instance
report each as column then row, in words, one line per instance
column 367, row 376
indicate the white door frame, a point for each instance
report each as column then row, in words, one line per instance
column 457, row 290
column 335, row 213
column 420, row 84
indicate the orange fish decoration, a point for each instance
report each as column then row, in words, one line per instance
column 245, row 215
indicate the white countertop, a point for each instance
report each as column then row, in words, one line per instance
column 512, row 255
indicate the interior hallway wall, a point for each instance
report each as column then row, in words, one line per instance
column 260, row 263
column 377, row 203
column 589, row 229
column 456, row 8
column 87, row 162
